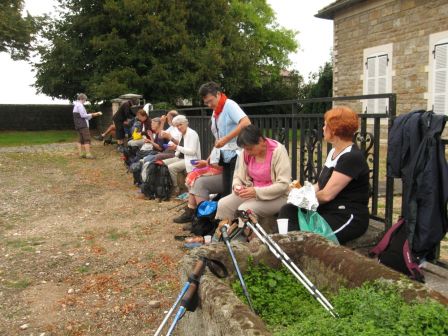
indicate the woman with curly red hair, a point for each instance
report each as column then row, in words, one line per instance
column 342, row 188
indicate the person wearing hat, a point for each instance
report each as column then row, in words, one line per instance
column 81, row 119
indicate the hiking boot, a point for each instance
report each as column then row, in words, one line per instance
column 186, row 217
column 98, row 137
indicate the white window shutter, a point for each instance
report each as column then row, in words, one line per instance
column 382, row 82
column 440, row 78
column 371, row 83
column 377, row 76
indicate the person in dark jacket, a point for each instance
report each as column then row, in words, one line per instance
column 121, row 119
column 81, row 119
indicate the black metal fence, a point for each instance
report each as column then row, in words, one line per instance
column 303, row 137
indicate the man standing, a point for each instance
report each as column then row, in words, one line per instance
column 228, row 120
column 81, row 119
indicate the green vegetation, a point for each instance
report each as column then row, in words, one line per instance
column 17, row 31
column 164, row 49
column 373, row 309
column 18, row 284
column 26, row 245
column 28, row 138
column 114, row 234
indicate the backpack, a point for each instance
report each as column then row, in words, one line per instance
column 128, row 155
column 204, row 222
column 156, row 181
column 393, row 251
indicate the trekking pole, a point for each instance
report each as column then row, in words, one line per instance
column 182, row 309
column 225, row 237
column 177, row 205
column 193, row 279
column 252, row 223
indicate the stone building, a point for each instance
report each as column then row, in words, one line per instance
column 398, row 46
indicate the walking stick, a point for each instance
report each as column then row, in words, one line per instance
column 193, row 280
column 182, row 309
column 225, row 237
column 250, row 220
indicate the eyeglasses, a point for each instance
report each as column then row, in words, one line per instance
column 208, row 101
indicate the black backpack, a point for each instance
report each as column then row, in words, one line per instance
column 157, row 182
column 204, row 222
column 393, row 251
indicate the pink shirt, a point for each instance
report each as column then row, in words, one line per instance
column 260, row 172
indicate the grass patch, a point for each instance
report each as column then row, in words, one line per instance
column 114, row 234
column 28, row 138
column 83, row 269
column 27, row 245
column 19, row 284
column 375, row 308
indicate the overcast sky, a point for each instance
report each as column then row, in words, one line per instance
column 315, row 38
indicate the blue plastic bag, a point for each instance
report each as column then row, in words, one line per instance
column 311, row 221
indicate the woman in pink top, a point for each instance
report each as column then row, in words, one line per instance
column 261, row 178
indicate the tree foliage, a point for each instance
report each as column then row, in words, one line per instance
column 16, row 32
column 320, row 85
column 162, row 49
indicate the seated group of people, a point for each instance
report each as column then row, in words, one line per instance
column 251, row 171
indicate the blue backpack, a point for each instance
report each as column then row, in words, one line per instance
column 204, row 222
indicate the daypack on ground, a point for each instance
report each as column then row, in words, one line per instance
column 204, row 222
column 156, row 181
column 393, row 251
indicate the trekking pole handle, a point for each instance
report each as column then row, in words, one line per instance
column 199, row 268
column 225, row 236
column 189, row 294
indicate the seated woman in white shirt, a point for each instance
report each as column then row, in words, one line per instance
column 187, row 149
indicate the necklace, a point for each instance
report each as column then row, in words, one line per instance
column 336, row 154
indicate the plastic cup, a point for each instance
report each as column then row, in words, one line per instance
column 194, row 162
column 207, row 239
column 282, row 224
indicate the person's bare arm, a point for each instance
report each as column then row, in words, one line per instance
column 335, row 184
column 225, row 139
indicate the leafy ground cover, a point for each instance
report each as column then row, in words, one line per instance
column 373, row 309
column 28, row 138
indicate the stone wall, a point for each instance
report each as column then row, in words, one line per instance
column 326, row 265
column 406, row 24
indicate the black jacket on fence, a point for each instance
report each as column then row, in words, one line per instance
column 417, row 155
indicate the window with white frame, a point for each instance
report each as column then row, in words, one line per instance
column 438, row 73
column 377, row 77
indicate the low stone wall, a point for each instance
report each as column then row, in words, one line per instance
column 328, row 266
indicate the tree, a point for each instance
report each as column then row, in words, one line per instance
column 320, row 85
column 162, row 49
column 16, row 32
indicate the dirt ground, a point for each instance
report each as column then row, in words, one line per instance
column 80, row 255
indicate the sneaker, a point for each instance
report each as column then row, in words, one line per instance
column 120, row 148
column 98, row 137
column 82, row 156
column 186, row 217
column 183, row 196
column 89, row 156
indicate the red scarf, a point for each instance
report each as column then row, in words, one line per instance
column 220, row 106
